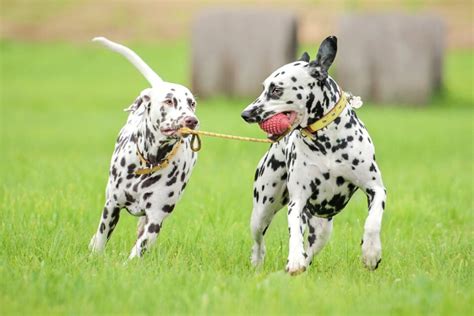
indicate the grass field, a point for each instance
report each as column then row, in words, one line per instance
column 61, row 109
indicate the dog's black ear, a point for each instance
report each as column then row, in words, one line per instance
column 327, row 52
column 305, row 57
column 143, row 98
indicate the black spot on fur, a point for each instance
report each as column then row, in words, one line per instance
column 171, row 181
column 274, row 163
column 255, row 195
column 372, row 168
column 154, row 228
column 150, row 181
column 168, row 208
column 129, row 197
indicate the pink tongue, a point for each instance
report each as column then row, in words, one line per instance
column 276, row 125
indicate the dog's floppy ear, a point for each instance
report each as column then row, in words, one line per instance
column 305, row 57
column 327, row 52
column 143, row 98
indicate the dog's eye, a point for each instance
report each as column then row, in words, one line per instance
column 277, row 91
column 191, row 103
column 168, row 102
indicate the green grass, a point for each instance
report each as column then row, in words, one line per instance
column 61, row 109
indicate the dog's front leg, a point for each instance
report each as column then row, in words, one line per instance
column 297, row 256
column 108, row 222
column 371, row 244
column 269, row 196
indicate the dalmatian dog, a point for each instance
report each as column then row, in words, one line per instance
column 152, row 161
column 315, row 173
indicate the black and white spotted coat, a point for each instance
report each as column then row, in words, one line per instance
column 315, row 176
column 152, row 128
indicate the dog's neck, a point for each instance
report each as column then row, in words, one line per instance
column 151, row 143
column 322, row 97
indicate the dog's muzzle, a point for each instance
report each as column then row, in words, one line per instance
column 249, row 116
column 191, row 122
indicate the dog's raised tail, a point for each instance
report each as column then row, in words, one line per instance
column 144, row 69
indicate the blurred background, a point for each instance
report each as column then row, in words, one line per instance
column 142, row 20
column 390, row 51
column 61, row 101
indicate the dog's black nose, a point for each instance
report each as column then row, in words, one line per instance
column 190, row 122
column 247, row 116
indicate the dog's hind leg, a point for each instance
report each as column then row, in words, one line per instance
column 107, row 224
column 149, row 228
column 319, row 233
column 142, row 221
column 269, row 196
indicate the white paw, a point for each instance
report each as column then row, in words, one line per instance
column 258, row 254
column 371, row 253
column 296, row 266
column 133, row 253
column 95, row 246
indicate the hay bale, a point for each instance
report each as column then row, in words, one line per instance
column 391, row 58
column 234, row 50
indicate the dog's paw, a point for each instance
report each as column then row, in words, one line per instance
column 296, row 266
column 371, row 253
column 95, row 246
column 258, row 255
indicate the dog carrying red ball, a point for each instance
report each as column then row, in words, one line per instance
column 278, row 124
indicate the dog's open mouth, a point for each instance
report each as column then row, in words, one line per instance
column 277, row 125
column 169, row 131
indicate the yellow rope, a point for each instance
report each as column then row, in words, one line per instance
column 196, row 134
column 186, row 131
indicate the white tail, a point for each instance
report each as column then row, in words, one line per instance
column 144, row 69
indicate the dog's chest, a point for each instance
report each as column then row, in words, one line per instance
column 138, row 192
column 319, row 175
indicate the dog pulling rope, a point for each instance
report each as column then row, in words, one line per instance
column 196, row 139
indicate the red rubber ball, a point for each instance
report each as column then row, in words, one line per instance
column 276, row 125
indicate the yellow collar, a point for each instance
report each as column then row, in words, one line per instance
column 163, row 164
column 328, row 118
